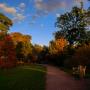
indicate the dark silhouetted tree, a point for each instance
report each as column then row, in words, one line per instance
column 73, row 25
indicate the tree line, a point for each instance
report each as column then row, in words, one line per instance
column 70, row 46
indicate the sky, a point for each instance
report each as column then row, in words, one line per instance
column 37, row 17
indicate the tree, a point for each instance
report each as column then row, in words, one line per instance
column 73, row 25
column 56, row 51
column 44, row 55
column 7, row 48
column 18, row 49
column 57, row 45
column 23, row 45
column 88, row 15
column 37, row 49
column 5, row 23
column 7, row 52
column 82, row 56
column 19, row 37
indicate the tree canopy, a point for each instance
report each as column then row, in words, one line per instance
column 57, row 46
column 5, row 23
column 73, row 25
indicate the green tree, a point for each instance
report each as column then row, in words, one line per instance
column 43, row 55
column 73, row 25
column 18, row 49
column 5, row 23
column 37, row 49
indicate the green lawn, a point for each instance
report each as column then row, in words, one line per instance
column 31, row 77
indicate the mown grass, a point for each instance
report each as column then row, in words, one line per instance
column 28, row 77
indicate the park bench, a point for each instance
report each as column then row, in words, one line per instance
column 75, row 71
column 79, row 71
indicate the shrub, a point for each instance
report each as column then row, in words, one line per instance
column 82, row 56
column 7, row 52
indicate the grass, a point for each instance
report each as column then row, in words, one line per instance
column 31, row 77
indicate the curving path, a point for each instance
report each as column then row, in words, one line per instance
column 56, row 79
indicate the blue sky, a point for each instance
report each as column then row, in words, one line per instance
column 37, row 17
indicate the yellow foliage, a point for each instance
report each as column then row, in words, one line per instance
column 18, row 37
column 57, row 45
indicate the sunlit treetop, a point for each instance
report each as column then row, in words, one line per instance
column 5, row 23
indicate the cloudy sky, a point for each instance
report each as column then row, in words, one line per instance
column 37, row 17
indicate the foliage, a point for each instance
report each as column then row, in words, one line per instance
column 18, row 49
column 57, row 46
column 7, row 48
column 37, row 49
column 88, row 37
column 5, row 23
column 7, row 52
column 19, row 37
column 73, row 25
column 56, row 51
column 82, row 56
column 44, row 55
column 23, row 45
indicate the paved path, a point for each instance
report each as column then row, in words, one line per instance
column 59, row 80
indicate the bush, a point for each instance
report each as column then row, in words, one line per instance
column 82, row 56
column 7, row 52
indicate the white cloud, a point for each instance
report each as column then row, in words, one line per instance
column 22, row 5
column 16, row 13
column 49, row 5
column 7, row 9
column 18, row 17
column 44, row 7
column 58, row 15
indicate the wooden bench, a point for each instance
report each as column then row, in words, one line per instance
column 79, row 71
column 75, row 71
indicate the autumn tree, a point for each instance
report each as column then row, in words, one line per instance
column 56, row 51
column 7, row 49
column 19, row 37
column 7, row 52
column 37, row 49
column 23, row 45
column 57, row 45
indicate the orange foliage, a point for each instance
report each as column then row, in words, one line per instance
column 57, row 45
column 18, row 37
